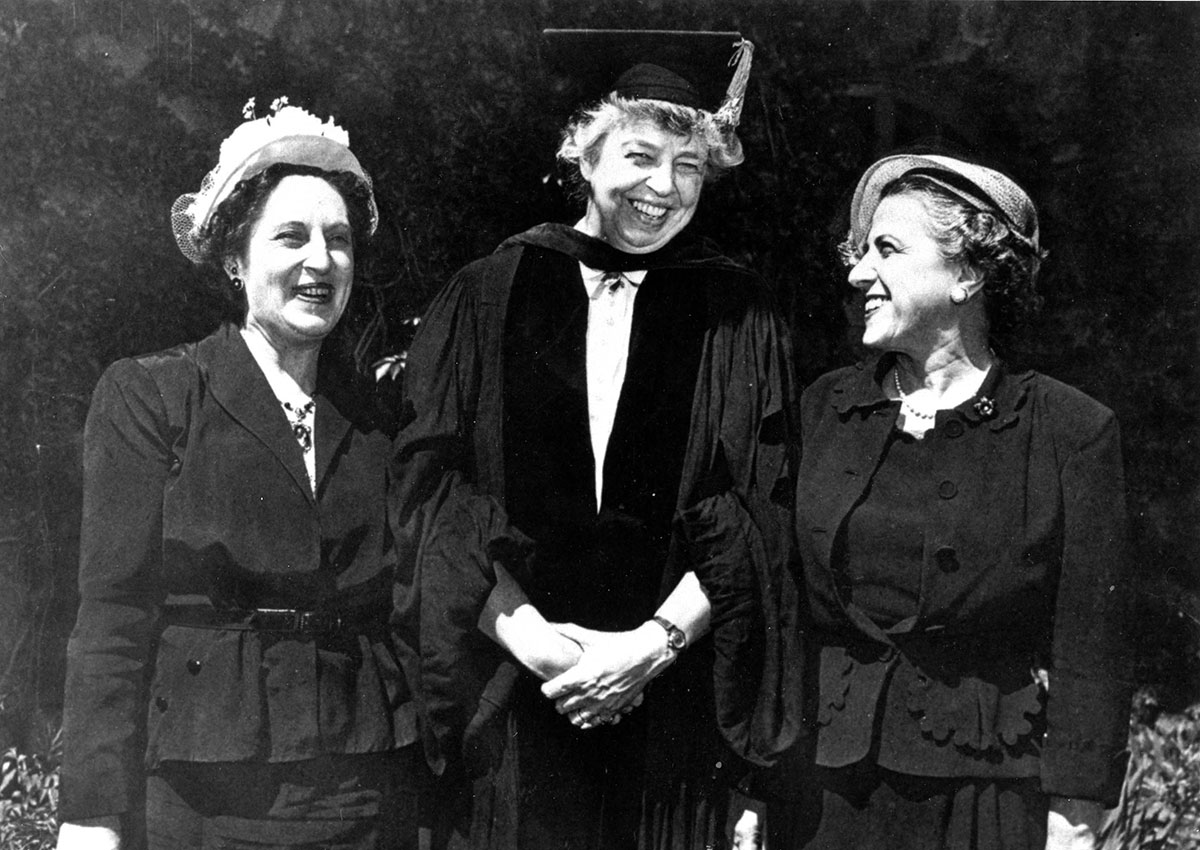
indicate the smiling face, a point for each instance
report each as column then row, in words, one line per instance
column 298, row 266
column 644, row 187
column 906, row 281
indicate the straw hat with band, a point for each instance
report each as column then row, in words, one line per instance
column 290, row 135
column 983, row 188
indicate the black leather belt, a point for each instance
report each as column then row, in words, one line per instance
column 291, row 620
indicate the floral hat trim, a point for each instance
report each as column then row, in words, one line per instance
column 290, row 134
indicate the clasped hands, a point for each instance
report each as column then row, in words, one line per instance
column 610, row 672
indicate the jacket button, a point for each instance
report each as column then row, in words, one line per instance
column 161, row 703
column 193, row 666
column 947, row 490
column 954, row 428
column 946, row 559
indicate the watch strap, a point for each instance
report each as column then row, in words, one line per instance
column 676, row 639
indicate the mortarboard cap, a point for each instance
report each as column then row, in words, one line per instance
column 702, row 70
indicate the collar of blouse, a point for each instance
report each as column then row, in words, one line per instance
column 999, row 401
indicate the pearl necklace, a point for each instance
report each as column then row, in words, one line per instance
column 906, row 407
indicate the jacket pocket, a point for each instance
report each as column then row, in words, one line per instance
column 852, row 682
column 984, row 707
column 205, row 697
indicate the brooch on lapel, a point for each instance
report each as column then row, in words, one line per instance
column 985, row 407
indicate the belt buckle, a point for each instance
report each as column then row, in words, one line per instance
column 311, row 622
column 277, row 619
column 295, row 620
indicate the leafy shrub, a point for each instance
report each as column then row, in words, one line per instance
column 1159, row 808
column 29, row 797
column 1160, row 802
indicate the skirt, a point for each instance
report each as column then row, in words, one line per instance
column 869, row 808
column 340, row 802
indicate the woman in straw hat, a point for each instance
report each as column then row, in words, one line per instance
column 962, row 530
column 569, row 394
column 230, row 675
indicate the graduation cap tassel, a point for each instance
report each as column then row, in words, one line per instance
column 730, row 112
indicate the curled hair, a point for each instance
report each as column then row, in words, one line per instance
column 227, row 233
column 984, row 242
column 585, row 134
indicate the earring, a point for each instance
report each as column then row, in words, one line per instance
column 959, row 295
column 237, row 283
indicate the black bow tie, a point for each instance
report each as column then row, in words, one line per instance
column 613, row 281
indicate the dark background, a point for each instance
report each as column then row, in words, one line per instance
column 112, row 108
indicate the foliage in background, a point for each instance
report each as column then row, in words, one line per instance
column 29, row 794
column 115, row 107
column 1159, row 807
column 1160, row 803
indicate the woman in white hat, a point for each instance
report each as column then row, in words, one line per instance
column 962, row 530
column 230, row 676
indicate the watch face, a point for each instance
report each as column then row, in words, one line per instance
column 676, row 639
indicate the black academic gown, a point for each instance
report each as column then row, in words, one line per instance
column 496, row 465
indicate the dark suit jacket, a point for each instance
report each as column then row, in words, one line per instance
column 1025, row 568
column 195, row 493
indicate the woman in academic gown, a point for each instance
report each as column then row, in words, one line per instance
column 596, row 411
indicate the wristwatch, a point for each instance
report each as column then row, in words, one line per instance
column 676, row 639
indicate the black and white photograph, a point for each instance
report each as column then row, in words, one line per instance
column 599, row 425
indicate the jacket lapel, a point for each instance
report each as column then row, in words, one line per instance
column 857, row 396
column 333, row 394
column 239, row 386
